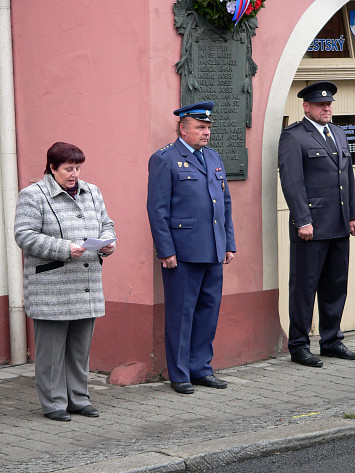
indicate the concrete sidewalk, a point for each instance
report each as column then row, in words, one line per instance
column 268, row 406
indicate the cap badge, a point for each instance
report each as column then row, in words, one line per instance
column 208, row 112
column 324, row 93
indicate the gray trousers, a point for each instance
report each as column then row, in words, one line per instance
column 62, row 363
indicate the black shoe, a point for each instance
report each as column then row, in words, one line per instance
column 88, row 411
column 340, row 352
column 304, row 357
column 58, row 415
column 210, row 381
column 183, row 388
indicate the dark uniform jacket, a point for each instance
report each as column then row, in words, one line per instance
column 318, row 186
column 189, row 210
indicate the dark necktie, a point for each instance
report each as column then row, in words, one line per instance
column 329, row 140
column 200, row 158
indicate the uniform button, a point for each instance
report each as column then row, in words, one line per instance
column 341, row 187
column 339, row 172
column 180, row 225
column 80, row 216
column 310, row 205
column 215, row 221
column 214, row 201
column 86, row 265
column 342, row 203
column 87, row 290
column 189, row 177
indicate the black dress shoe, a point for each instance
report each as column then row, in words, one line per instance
column 304, row 357
column 58, row 415
column 210, row 381
column 88, row 411
column 182, row 388
column 340, row 352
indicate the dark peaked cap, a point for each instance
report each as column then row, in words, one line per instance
column 318, row 92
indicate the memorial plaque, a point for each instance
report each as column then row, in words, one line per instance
column 216, row 65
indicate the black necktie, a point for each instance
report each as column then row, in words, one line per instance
column 329, row 140
column 200, row 158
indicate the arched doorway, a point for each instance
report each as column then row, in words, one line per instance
column 311, row 22
column 336, row 64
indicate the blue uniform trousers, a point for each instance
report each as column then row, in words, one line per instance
column 193, row 294
column 317, row 266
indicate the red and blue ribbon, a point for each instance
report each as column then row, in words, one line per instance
column 239, row 10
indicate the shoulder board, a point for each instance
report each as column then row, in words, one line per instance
column 293, row 125
column 166, row 148
column 211, row 149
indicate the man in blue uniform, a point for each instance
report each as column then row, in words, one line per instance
column 318, row 183
column 189, row 208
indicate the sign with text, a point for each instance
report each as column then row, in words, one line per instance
column 220, row 70
column 217, row 65
column 347, row 123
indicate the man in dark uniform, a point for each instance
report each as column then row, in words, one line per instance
column 189, row 208
column 318, row 183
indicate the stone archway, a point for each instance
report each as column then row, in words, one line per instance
column 313, row 19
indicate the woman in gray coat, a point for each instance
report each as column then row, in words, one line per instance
column 62, row 280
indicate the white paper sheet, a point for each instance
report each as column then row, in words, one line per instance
column 97, row 244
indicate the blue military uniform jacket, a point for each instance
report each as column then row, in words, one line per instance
column 189, row 209
column 318, row 186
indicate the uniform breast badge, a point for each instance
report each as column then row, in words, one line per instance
column 186, row 165
column 179, row 164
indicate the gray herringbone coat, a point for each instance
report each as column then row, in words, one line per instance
column 47, row 221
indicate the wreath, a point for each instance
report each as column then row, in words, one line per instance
column 226, row 14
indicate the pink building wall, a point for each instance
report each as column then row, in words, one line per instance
column 102, row 76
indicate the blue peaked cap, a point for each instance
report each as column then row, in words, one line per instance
column 199, row 111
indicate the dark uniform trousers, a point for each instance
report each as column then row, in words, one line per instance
column 193, row 294
column 317, row 266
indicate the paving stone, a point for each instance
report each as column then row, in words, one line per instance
column 261, row 398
